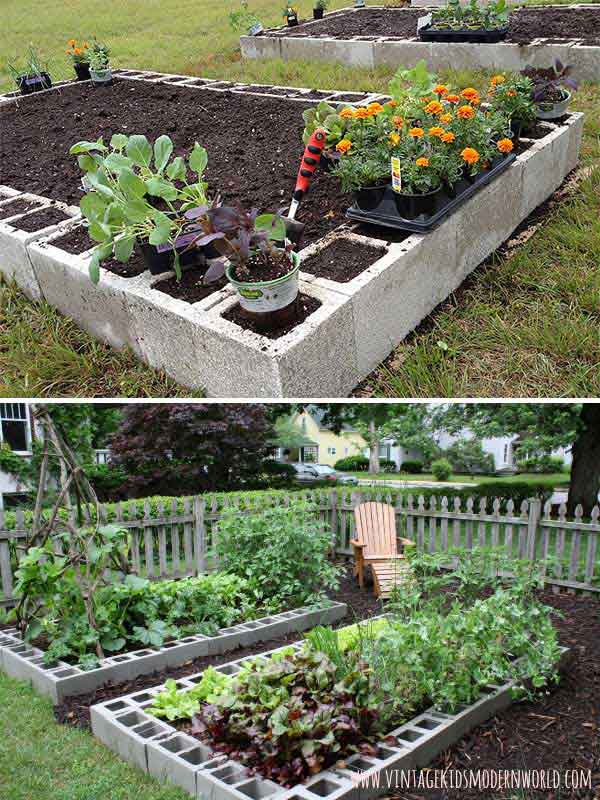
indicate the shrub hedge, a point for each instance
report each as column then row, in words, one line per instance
column 517, row 491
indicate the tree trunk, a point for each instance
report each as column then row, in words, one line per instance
column 373, row 449
column 585, row 472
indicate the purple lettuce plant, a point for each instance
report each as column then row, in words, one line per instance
column 237, row 234
column 549, row 84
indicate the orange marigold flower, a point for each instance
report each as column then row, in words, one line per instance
column 77, row 51
column 434, row 107
column 441, row 90
column 343, row 146
column 436, row 131
column 469, row 92
column 505, row 145
column 497, row 80
column 395, row 139
column 448, row 137
column 452, row 98
column 392, row 104
column 375, row 108
column 347, row 113
column 470, row 155
column 398, row 122
column 422, row 162
column 511, row 93
column 362, row 113
column 466, row 112
column 416, row 133
column 446, row 118
column 72, row 42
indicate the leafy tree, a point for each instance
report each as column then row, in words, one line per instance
column 408, row 424
column 542, row 428
column 181, row 448
column 468, row 457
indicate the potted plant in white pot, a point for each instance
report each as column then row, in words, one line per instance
column 99, row 60
column 551, row 86
column 256, row 258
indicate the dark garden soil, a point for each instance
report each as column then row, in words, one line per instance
column 342, row 260
column 524, row 24
column 76, row 241
column 16, row 207
column 190, row 288
column 305, row 306
column 265, row 267
column 254, row 143
column 38, row 220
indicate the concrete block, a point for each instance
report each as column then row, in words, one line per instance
column 260, row 46
column 351, row 52
column 177, row 760
column 387, row 53
column 14, row 261
column 102, row 309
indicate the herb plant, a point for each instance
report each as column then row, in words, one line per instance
column 34, row 66
column 243, row 19
column 137, row 191
column 99, row 57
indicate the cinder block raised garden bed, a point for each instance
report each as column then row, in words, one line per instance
column 61, row 680
column 379, row 36
column 355, row 316
column 158, row 748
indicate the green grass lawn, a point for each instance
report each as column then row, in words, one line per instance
column 41, row 760
column 524, row 324
column 556, row 479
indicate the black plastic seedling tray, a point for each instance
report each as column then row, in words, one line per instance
column 446, row 202
column 430, row 34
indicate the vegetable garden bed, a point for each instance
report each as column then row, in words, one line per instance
column 378, row 36
column 164, row 751
column 60, row 680
column 352, row 323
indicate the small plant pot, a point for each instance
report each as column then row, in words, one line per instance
column 102, row 77
column 411, row 206
column 550, row 110
column 292, row 21
column 270, row 304
column 82, row 71
column 162, row 259
column 318, row 13
column 370, row 197
column 28, row 84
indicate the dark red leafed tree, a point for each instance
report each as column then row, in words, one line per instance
column 182, row 448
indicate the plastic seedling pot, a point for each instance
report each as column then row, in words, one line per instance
column 481, row 36
column 82, row 71
column 161, row 258
column 292, row 21
column 549, row 110
column 445, row 202
column 411, row 206
column 34, row 83
column 317, row 13
column 370, row 197
column 270, row 304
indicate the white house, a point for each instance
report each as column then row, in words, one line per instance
column 502, row 448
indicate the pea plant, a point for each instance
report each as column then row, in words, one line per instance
column 136, row 190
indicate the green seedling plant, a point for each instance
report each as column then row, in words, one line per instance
column 173, row 704
column 34, row 66
column 123, row 182
column 243, row 19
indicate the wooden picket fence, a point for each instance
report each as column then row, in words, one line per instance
column 174, row 543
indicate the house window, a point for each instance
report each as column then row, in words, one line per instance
column 331, row 451
column 384, row 452
column 303, row 424
column 14, row 426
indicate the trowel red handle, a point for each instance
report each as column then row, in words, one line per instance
column 310, row 162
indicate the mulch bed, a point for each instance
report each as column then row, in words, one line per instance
column 525, row 24
column 254, row 143
column 75, row 711
column 342, row 260
column 305, row 306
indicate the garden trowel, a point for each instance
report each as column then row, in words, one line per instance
column 310, row 162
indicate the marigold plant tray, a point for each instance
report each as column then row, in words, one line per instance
column 386, row 214
column 430, row 34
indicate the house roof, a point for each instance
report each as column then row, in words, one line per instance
column 319, row 415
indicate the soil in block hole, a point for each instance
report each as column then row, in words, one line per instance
column 190, row 288
column 306, row 306
column 342, row 260
column 16, row 207
column 38, row 220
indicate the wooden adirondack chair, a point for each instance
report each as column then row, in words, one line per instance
column 376, row 544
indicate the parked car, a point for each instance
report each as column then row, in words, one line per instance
column 331, row 475
column 307, row 474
